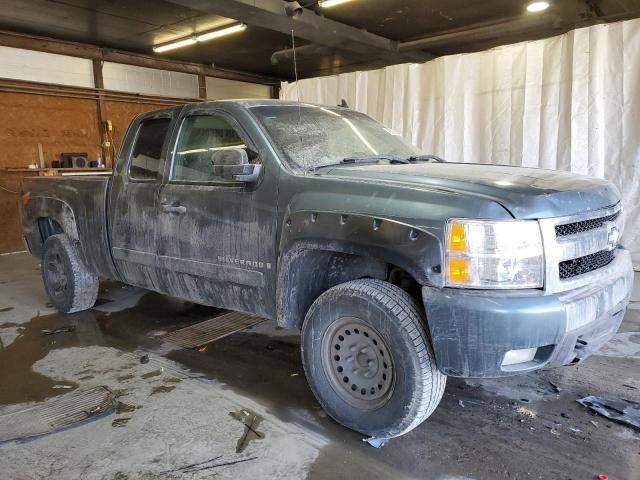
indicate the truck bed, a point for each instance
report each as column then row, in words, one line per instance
column 75, row 205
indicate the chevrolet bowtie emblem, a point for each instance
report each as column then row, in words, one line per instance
column 613, row 235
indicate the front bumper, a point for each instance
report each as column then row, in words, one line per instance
column 471, row 331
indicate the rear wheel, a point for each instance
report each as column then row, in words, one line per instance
column 70, row 286
column 368, row 359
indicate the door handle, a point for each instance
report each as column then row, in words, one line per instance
column 178, row 209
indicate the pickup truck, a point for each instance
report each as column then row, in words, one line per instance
column 399, row 268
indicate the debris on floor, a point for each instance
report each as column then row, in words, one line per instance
column 120, row 422
column 154, row 373
column 144, row 359
column 162, row 389
column 376, row 442
column 195, row 336
column 126, row 408
column 208, row 465
column 251, row 421
column 621, row 411
column 61, row 412
column 68, row 329
column 555, row 387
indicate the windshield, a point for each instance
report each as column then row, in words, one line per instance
column 310, row 135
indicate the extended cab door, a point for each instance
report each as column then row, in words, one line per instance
column 133, row 198
column 216, row 237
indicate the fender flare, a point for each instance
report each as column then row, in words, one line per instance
column 320, row 250
column 55, row 209
column 412, row 248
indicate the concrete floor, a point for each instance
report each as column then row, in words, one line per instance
column 180, row 402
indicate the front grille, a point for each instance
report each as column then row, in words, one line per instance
column 588, row 263
column 584, row 226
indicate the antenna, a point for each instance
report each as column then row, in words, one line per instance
column 295, row 72
column 295, row 63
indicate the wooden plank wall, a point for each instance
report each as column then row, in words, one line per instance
column 60, row 124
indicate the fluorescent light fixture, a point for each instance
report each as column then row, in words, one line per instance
column 177, row 44
column 222, row 32
column 537, row 6
column 202, row 37
column 331, row 3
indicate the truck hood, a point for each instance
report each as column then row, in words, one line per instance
column 525, row 192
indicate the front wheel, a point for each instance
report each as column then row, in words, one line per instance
column 368, row 360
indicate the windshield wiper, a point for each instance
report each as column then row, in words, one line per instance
column 365, row 159
column 426, row 158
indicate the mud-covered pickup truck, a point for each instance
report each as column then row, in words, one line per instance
column 399, row 268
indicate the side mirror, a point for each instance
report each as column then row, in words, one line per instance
column 233, row 164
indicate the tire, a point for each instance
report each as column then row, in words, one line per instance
column 69, row 285
column 394, row 392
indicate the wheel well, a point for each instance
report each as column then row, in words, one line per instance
column 47, row 227
column 403, row 279
column 306, row 273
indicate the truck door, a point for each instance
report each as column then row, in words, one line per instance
column 216, row 237
column 133, row 198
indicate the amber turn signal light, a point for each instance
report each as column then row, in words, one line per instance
column 457, row 238
column 458, row 269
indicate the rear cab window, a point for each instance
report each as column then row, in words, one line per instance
column 146, row 156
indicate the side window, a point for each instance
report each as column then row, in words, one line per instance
column 147, row 151
column 202, row 137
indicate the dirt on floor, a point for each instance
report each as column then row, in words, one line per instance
column 241, row 407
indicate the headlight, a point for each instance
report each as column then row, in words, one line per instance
column 493, row 254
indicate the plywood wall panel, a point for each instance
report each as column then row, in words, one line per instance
column 60, row 124
column 10, row 226
column 121, row 113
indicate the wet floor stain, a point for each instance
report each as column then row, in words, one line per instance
column 455, row 440
column 251, row 422
column 124, row 330
column 20, row 382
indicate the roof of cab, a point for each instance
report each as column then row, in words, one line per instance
column 259, row 102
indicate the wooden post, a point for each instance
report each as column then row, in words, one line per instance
column 98, row 83
column 202, row 86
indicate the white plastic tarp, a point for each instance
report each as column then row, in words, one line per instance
column 570, row 102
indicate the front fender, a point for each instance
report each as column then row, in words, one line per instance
column 411, row 248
